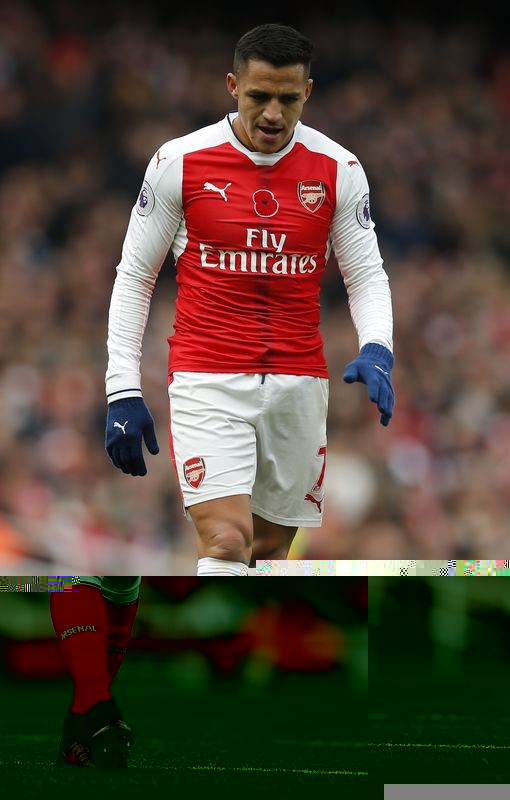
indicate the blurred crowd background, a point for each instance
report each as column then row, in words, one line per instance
column 87, row 94
column 201, row 632
column 439, row 644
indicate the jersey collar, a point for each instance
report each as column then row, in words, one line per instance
column 262, row 159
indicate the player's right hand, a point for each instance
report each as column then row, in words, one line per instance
column 127, row 422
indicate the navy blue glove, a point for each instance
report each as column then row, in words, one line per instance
column 127, row 421
column 373, row 366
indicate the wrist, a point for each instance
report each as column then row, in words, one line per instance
column 126, row 402
column 379, row 353
column 121, row 385
column 124, row 394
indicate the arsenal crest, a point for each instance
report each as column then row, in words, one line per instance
column 311, row 194
column 194, row 472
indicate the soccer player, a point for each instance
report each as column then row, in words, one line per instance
column 251, row 207
column 93, row 627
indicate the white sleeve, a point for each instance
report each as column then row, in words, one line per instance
column 357, row 252
column 152, row 227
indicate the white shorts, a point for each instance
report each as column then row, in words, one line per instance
column 261, row 435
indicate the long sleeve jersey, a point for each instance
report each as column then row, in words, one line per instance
column 251, row 234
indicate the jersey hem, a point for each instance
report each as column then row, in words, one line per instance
column 261, row 369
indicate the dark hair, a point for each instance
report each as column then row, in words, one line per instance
column 279, row 45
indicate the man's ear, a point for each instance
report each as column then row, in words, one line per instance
column 232, row 85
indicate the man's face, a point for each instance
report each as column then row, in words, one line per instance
column 270, row 102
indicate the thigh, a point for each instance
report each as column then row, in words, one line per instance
column 212, row 434
column 291, row 451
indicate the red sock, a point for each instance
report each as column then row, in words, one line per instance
column 84, row 651
column 120, row 620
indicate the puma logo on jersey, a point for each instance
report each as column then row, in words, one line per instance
column 212, row 188
column 159, row 158
column 122, row 427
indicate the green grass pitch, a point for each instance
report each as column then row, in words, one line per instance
column 441, row 736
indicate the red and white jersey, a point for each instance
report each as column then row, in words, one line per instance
column 251, row 234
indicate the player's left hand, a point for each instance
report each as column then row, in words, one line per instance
column 373, row 367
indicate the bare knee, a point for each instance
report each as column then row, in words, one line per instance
column 228, row 542
column 269, row 551
column 225, row 528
